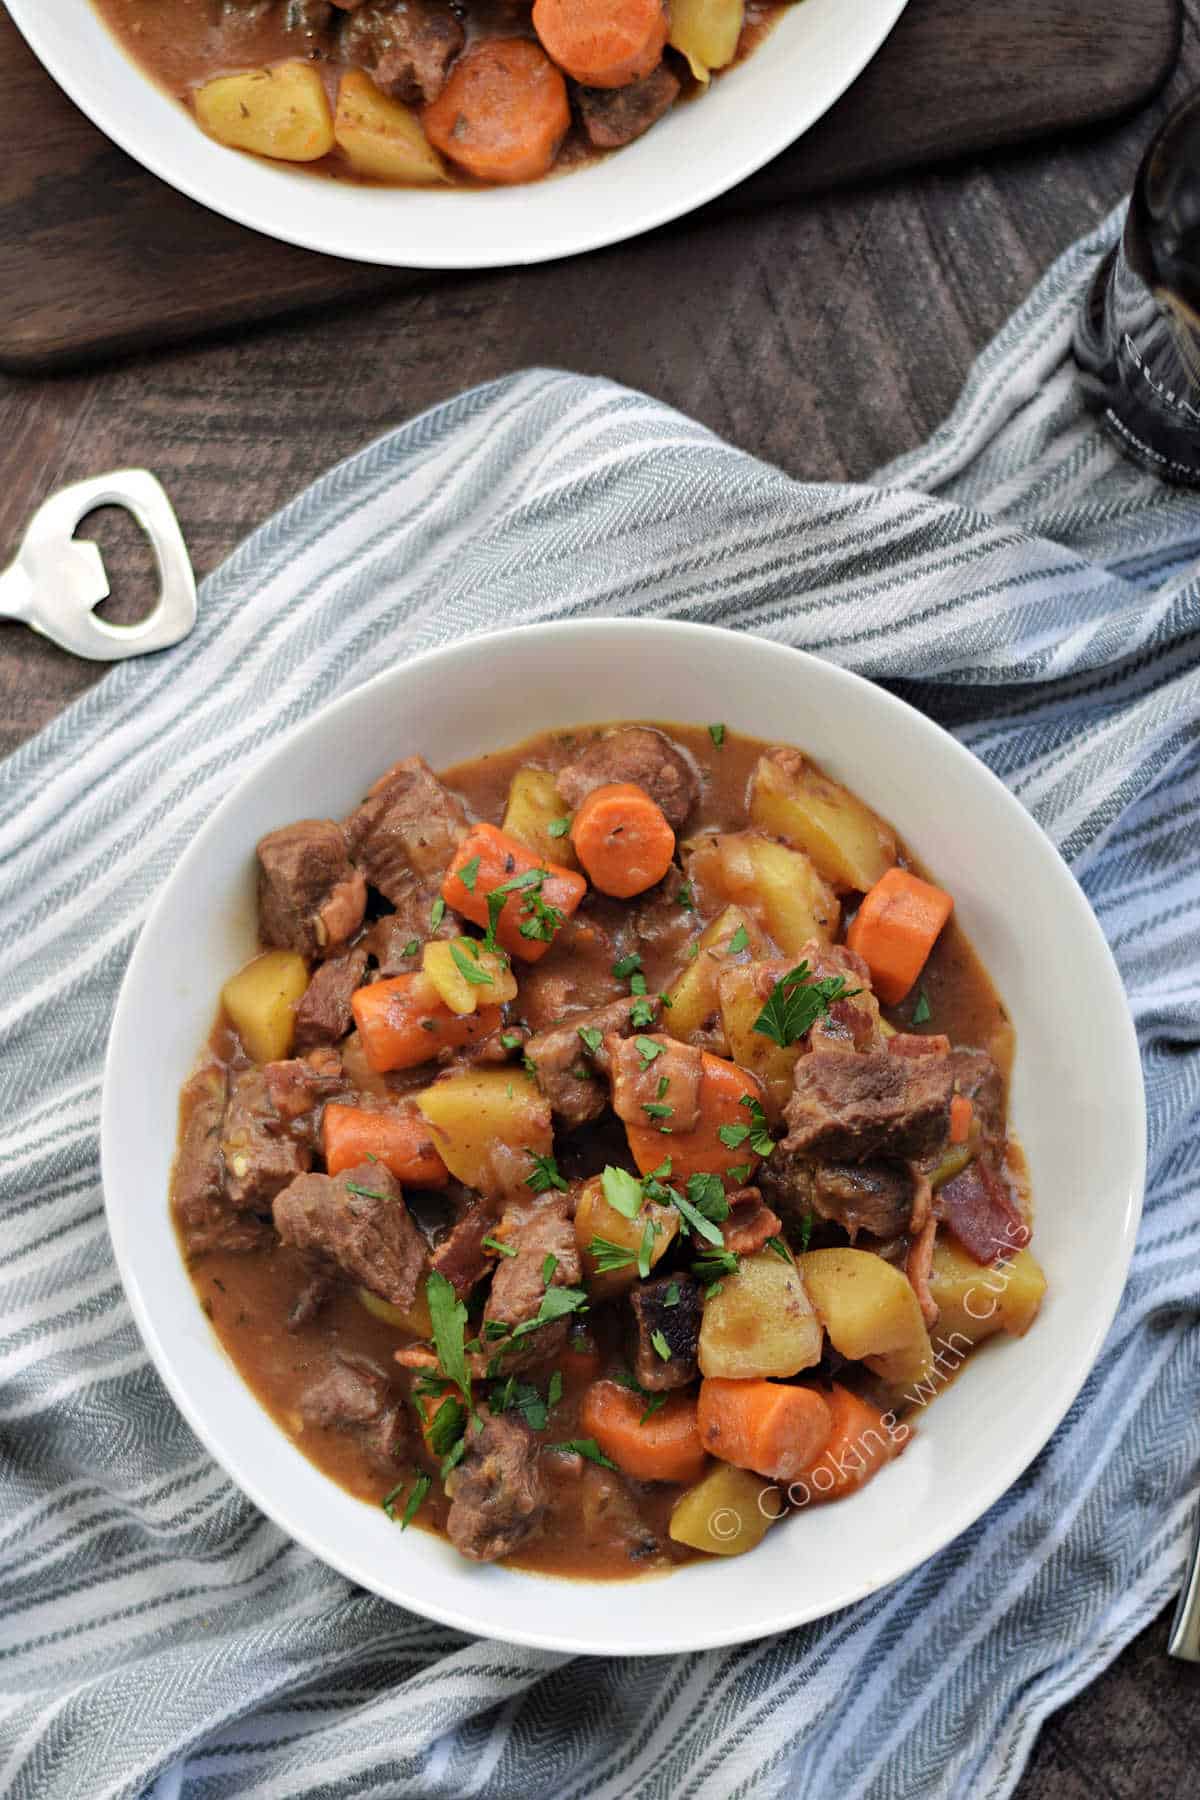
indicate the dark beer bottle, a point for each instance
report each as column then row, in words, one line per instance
column 1137, row 339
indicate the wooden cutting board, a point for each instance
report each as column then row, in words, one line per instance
column 98, row 257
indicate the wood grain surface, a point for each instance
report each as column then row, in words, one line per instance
column 825, row 335
column 97, row 255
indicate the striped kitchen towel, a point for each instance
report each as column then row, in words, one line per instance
column 1014, row 579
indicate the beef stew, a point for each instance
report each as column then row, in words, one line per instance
column 594, row 1209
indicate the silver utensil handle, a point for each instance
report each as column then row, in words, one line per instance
column 1184, row 1641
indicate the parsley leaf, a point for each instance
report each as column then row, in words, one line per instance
column 585, row 1447
column 739, row 941
column 352, row 1187
column 545, row 1175
column 449, row 1317
column 685, row 898
column 421, row 1487
column 437, row 913
column 493, row 1243
column 468, row 967
column 469, row 874
column 622, row 1191
column 449, row 1423
column 511, row 1040
column 641, row 1014
column 661, row 1346
column 523, row 1398
column 558, row 828
column 780, row 1248
column 647, row 1245
column 637, row 984
column 411, row 948
column 647, row 1049
column 739, row 1173
column 554, row 1390
column 797, row 1001
column 761, row 1141
column 707, row 1195
column 592, row 1038
column 922, row 1011
column 608, row 1256
column 713, row 1264
column 806, row 1227
column 671, row 1298
column 656, row 1110
column 732, row 1136
column 557, row 1302
column 717, row 734
column 549, row 1264
column 627, row 965
column 700, row 1225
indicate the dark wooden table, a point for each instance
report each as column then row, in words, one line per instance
column 827, row 337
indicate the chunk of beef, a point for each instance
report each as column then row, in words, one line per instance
column 871, row 1197
column 405, row 832
column 205, row 1217
column 615, row 116
column 671, row 1307
column 262, row 1153
column 323, row 1014
column 642, row 756
column 535, row 1230
column 854, row 1022
column 312, row 1296
column 497, row 1499
column 310, row 899
column 977, row 1207
column 750, row 1223
column 360, row 1222
column 670, row 1079
column 396, row 940
column 301, row 1083
column 357, row 1397
column 853, row 1108
column 460, row 1256
column 568, row 1067
column 406, row 45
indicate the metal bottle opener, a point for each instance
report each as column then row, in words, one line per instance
column 56, row 579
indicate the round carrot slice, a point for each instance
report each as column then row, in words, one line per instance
column 503, row 113
column 622, row 839
column 603, row 43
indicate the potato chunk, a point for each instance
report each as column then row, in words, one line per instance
column 595, row 1218
column 780, row 886
column 473, row 1110
column 380, row 137
column 467, row 977
column 870, row 1311
column 693, row 996
column 706, row 32
column 761, row 1323
column 261, row 1002
column 975, row 1302
column 414, row 1318
column 741, row 1006
column 727, row 1513
column 534, row 805
column 795, row 800
column 280, row 111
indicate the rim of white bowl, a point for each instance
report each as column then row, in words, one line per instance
column 954, row 1519
column 500, row 227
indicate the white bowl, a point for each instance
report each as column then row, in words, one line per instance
column 1077, row 1104
column 697, row 152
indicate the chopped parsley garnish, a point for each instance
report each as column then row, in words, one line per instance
column 653, row 1401
column 671, row 1298
column 557, row 1302
column 449, row 1423
column 558, row 828
column 780, row 1248
column 352, row 1187
column 713, row 1264
column 922, row 1011
column 656, row 1110
column 411, row 948
column 797, row 1001
column 623, row 1191
column 449, row 1317
column 511, row 1040
column 637, row 984
column 739, row 941
column 493, row 1243
column 685, row 898
column 717, row 734
column 585, row 1447
column 733, row 1136
column 592, row 1038
column 554, row 1389
column 641, row 1014
column 647, row 1245
column 661, row 1346
column 806, row 1228
column 421, row 1487
column 761, row 1140
column 549, row 1264
column 693, row 950
column 545, row 1175
column 469, row 874
column 523, row 1398
column 608, row 1256
column 647, row 1049
column 468, row 966
column 700, row 1225
column 664, row 1082
column 530, row 1067
column 627, row 965
column 437, row 913
column 707, row 1195
column 740, row 1172
column 538, row 920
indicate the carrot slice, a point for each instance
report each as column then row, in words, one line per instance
column 723, row 1090
column 858, row 1446
column 895, row 928
column 603, row 43
column 399, row 1140
column 623, row 840
column 761, row 1425
column 503, row 113
column 961, row 1114
column 487, row 859
column 666, row 1447
column 404, row 1022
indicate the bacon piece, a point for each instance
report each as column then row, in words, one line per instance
column 911, row 1043
column 919, row 1266
column 978, row 1208
column 750, row 1223
column 460, row 1256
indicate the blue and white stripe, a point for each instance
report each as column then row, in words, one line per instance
column 1013, row 578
